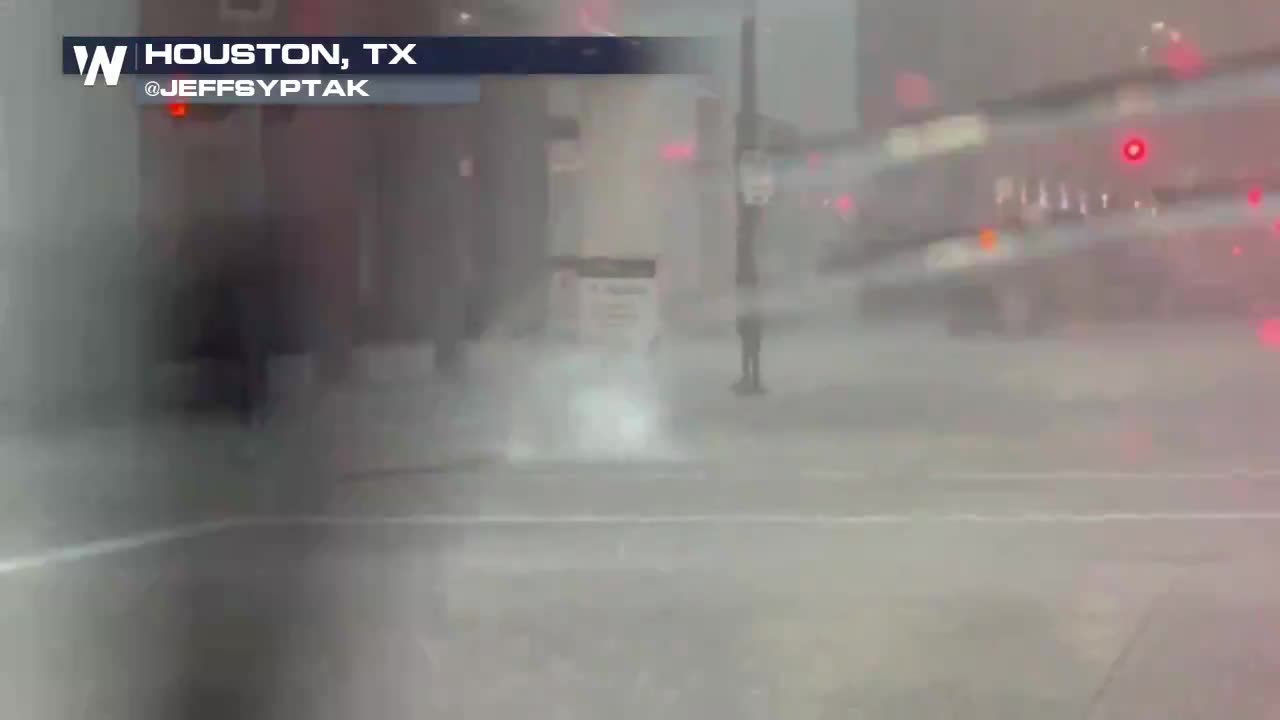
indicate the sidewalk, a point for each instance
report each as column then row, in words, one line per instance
column 74, row 486
column 901, row 398
column 892, row 403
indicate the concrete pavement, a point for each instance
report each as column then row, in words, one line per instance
column 1160, row 618
column 903, row 404
column 81, row 485
column 1079, row 530
column 866, row 399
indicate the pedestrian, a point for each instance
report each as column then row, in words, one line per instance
column 751, row 337
column 249, row 297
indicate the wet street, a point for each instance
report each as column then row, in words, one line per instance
column 639, row 360
column 1075, row 574
column 863, row 616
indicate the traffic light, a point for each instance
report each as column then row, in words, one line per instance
column 678, row 151
column 1255, row 196
column 1134, row 150
column 913, row 90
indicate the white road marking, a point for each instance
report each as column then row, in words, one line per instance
column 822, row 474
column 1228, row 474
column 761, row 519
column 622, row 473
column 625, row 473
column 639, row 472
column 128, row 543
column 72, row 553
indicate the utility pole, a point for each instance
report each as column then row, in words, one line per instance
column 750, row 324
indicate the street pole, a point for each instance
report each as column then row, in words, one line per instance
column 750, row 330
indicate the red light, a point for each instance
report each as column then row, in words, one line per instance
column 844, row 205
column 913, row 90
column 1237, row 251
column 177, row 110
column 1255, row 197
column 988, row 239
column 1183, row 59
column 594, row 16
column 1269, row 333
column 1135, row 150
column 674, row 152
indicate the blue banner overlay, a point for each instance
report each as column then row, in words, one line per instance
column 275, row 90
column 369, row 56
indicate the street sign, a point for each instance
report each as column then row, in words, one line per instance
column 619, row 303
column 755, row 177
column 947, row 135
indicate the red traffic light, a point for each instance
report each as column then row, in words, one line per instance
column 1135, row 150
column 678, row 151
column 199, row 113
column 913, row 90
column 1255, row 196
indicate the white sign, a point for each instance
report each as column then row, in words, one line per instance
column 946, row 135
column 619, row 312
column 755, row 177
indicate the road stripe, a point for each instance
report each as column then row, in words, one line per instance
column 619, row 473
column 100, row 548
column 822, row 474
column 639, row 473
column 762, row 519
column 1227, row 474
column 68, row 554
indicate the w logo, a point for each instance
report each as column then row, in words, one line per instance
column 109, row 61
